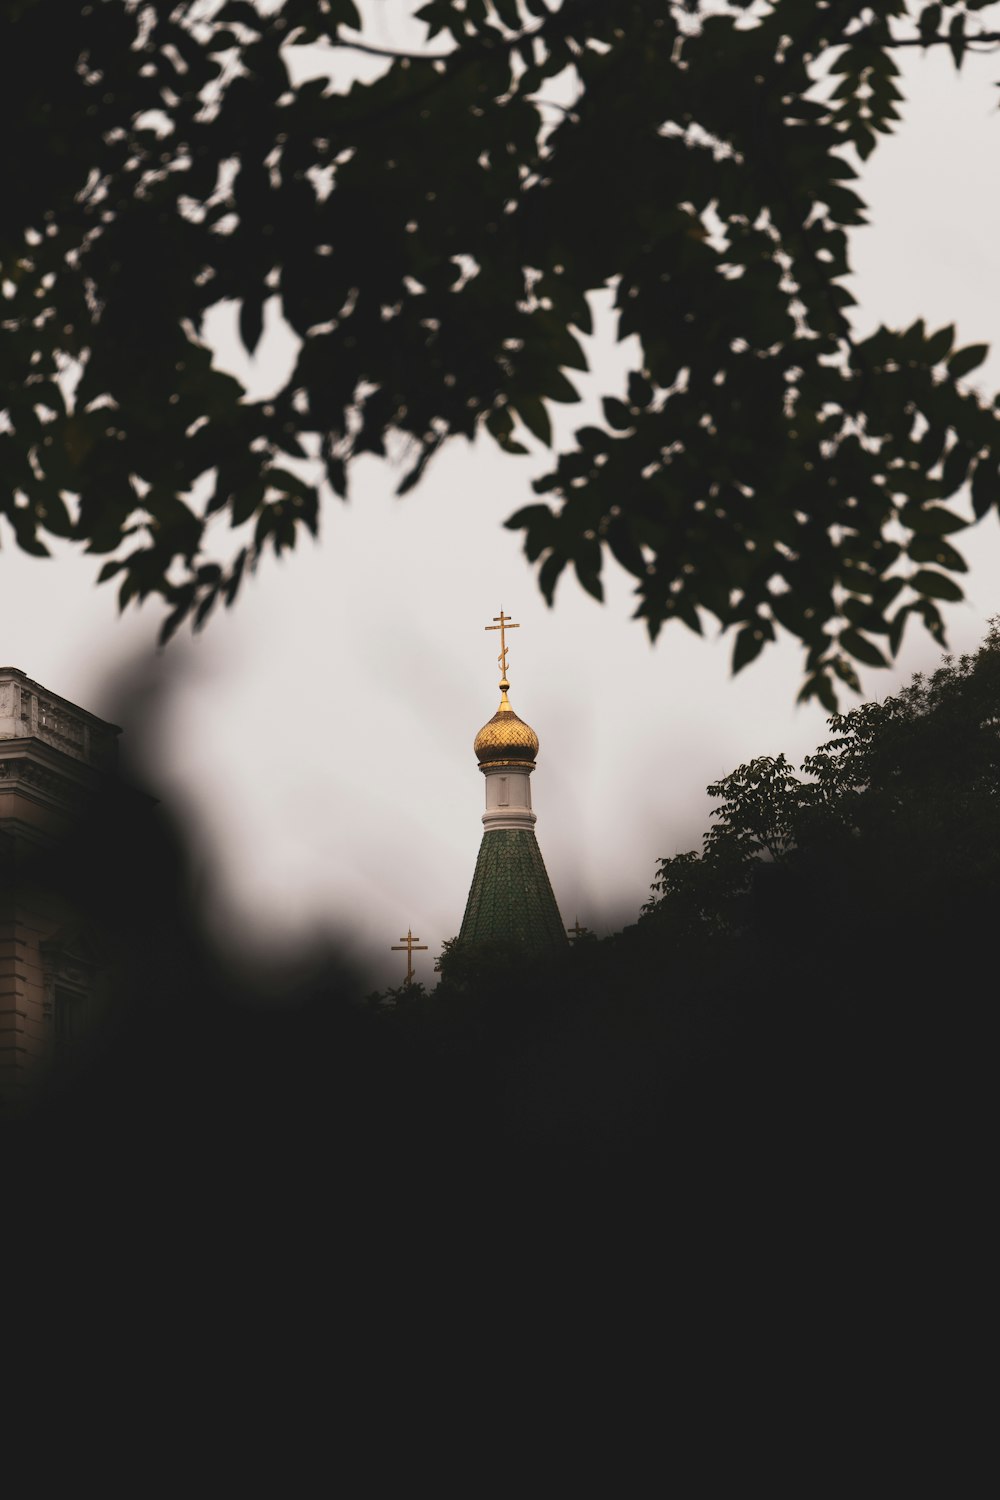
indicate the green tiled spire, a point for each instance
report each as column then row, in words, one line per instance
column 511, row 899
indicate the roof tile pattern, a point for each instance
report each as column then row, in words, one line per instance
column 511, row 899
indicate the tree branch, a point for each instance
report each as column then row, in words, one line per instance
column 991, row 37
column 491, row 38
column 396, row 56
column 883, row 39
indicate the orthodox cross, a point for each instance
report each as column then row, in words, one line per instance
column 410, row 943
column 504, row 623
column 576, row 931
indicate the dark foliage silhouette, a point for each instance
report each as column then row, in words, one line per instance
column 769, row 1110
column 432, row 238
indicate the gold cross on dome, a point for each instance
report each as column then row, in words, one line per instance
column 503, row 624
column 576, row 931
column 411, row 945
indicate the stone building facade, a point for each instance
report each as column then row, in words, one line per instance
column 54, row 757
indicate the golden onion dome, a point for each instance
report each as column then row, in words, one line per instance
column 506, row 739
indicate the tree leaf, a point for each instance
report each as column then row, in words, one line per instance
column 845, row 671
column 862, row 649
column 749, row 644
column 616, row 413
column 590, row 580
column 251, row 322
column 931, row 520
column 939, row 344
column 508, row 12
column 640, row 392
column 548, row 574
column 896, row 626
column 533, row 414
column 935, row 585
column 985, row 486
column 930, row 20
column 934, row 549
column 967, row 359
column 955, row 469
column 818, row 685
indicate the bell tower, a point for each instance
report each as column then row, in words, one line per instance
column 511, row 899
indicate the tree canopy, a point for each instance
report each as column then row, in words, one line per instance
column 432, row 238
column 894, row 825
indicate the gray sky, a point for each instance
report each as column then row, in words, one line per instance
column 321, row 733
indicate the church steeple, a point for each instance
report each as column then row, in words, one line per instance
column 511, row 899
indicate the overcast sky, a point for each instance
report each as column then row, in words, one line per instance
column 320, row 733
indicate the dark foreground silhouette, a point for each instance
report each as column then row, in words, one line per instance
column 764, row 1107
column 821, row 1052
column 667, row 1156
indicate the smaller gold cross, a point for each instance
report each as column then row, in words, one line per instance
column 576, row 931
column 504, row 623
column 411, row 945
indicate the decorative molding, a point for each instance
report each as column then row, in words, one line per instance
column 29, row 771
column 509, row 817
column 45, row 778
column 30, row 711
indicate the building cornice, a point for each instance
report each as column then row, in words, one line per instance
column 35, row 771
column 29, row 711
